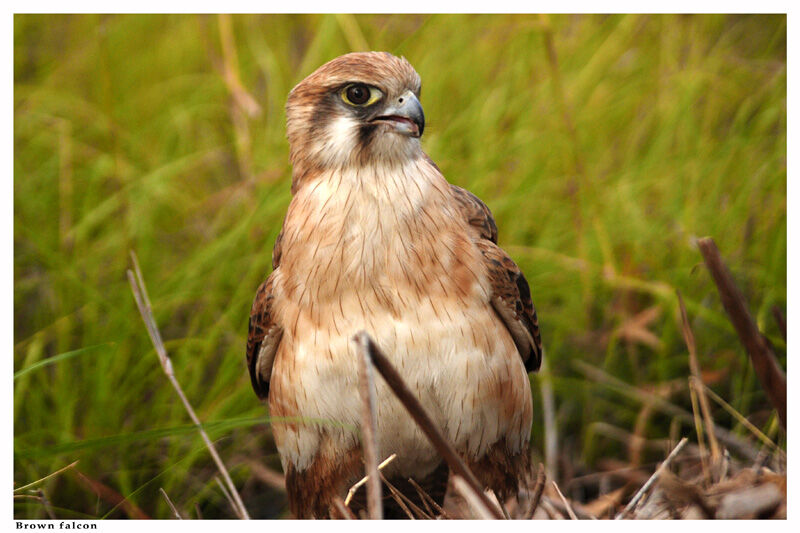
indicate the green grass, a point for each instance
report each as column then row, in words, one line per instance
column 650, row 131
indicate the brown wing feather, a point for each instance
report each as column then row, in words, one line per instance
column 511, row 298
column 263, row 337
column 511, row 295
column 476, row 213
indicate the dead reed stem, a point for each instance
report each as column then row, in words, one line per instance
column 405, row 502
column 145, row 310
column 369, row 421
column 475, row 503
column 744, row 421
column 428, row 500
column 566, row 503
column 425, row 423
column 346, row 513
column 771, row 376
column 364, row 479
column 638, row 496
column 226, row 493
column 538, row 489
column 46, row 503
column 169, row 502
column 45, row 478
column 694, row 365
column 729, row 438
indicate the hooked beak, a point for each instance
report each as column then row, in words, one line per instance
column 405, row 115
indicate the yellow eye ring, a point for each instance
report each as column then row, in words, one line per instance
column 360, row 95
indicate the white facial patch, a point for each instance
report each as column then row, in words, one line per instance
column 339, row 140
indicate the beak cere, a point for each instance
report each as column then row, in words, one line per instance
column 404, row 116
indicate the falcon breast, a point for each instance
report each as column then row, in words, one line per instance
column 376, row 239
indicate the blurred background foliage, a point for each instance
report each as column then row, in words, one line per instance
column 604, row 145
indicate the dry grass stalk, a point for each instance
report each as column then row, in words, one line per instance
column 169, row 502
column 694, row 365
column 538, row 489
column 730, row 439
column 46, row 503
column 499, row 504
column 226, row 493
column 638, row 496
column 605, row 503
column 363, row 480
column 770, row 374
column 45, row 478
column 477, row 505
column 369, row 421
column 744, row 421
column 345, row 511
column 145, row 310
column 698, row 426
column 426, row 424
column 566, row 503
column 428, row 500
column 409, row 507
column 40, row 498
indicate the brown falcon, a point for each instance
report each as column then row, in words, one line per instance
column 376, row 239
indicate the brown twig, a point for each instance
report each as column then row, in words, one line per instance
column 538, row 489
column 428, row 500
column 405, row 502
column 425, row 423
column 653, row 479
column 145, row 310
column 369, row 421
column 771, row 376
column 422, row 496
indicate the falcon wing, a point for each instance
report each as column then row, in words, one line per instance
column 263, row 337
column 476, row 213
column 511, row 295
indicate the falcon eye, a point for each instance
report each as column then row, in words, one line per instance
column 360, row 95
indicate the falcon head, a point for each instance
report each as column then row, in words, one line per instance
column 357, row 109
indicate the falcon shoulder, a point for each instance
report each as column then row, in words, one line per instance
column 263, row 337
column 476, row 213
column 510, row 293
